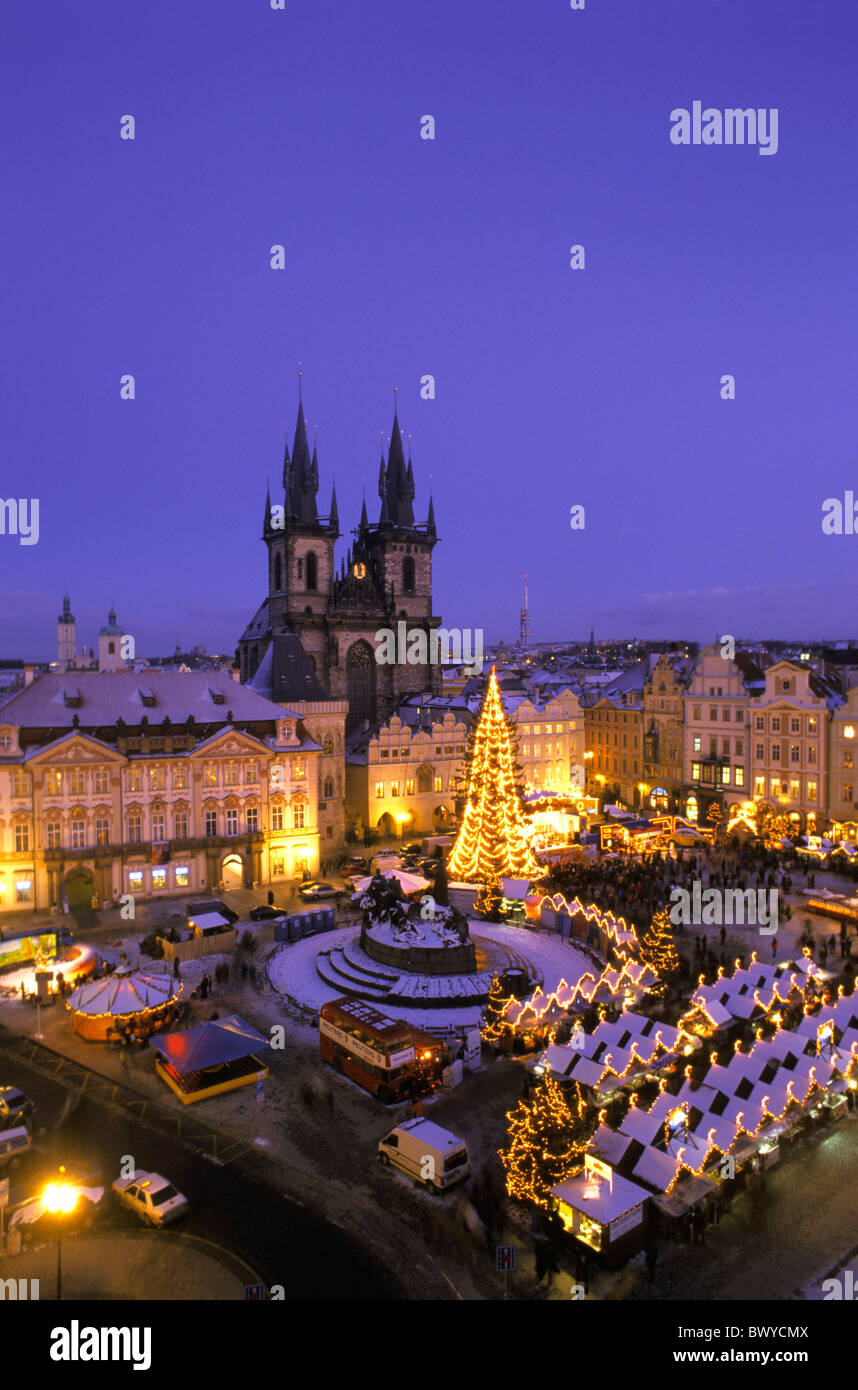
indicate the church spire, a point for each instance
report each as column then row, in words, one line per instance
column 334, row 518
column 266, row 525
column 303, row 476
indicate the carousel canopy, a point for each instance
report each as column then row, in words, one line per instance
column 209, row 1044
column 128, row 992
column 409, row 883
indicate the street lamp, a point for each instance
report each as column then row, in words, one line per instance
column 60, row 1198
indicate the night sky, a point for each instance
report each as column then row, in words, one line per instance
column 451, row 257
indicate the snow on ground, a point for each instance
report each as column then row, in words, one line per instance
column 293, row 970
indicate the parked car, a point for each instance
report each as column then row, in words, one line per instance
column 427, row 1153
column 201, row 906
column 428, row 867
column 15, row 1108
column 14, row 1143
column 152, row 1196
column 415, row 848
column 356, row 865
column 263, row 912
column 312, row 892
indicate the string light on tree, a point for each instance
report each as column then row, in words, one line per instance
column 546, row 1141
column 491, row 843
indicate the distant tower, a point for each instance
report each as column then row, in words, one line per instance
column 66, row 635
column 524, row 620
column 110, row 645
column 591, row 646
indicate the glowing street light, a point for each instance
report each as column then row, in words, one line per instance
column 60, row 1198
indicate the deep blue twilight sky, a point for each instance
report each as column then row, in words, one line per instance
column 451, row 257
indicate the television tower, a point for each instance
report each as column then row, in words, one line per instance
column 524, row 620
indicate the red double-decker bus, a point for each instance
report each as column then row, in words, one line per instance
column 377, row 1052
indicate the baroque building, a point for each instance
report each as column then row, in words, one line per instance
column 385, row 578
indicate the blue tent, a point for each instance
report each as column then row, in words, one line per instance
column 209, row 1044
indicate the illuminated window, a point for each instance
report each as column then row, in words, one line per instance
column 102, row 831
column 182, row 878
column 811, row 754
column 102, row 780
column 394, row 788
column 697, row 712
column 159, row 878
column 695, row 772
column 409, row 787
column 725, row 775
column 811, row 791
column 77, row 781
column 849, row 731
column 847, row 791
column 180, row 776
column 739, row 776
column 298, row 816
column 22, row 838
column 812, row 725
column 759, row 786
column 847, row 759
column 379, row 791
column 23, row 890
column 21, row 783
column 135, row 879
column 156, row 779
column 794, row 790
column 775, row 786
column 696, row 743
column 232, row 822
column 230, row 775
column 210, row 776
column 251, row 773
column 53, row 835
column 135, row 829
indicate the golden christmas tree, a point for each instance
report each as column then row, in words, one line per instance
column 658, row 948
column 491, row 843
column 493, row 1027
column 546, row 1141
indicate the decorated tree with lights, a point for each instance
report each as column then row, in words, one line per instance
column 546, row 1140
column 715, row 817
column 493, row 1028
column 658, row 948
column 491, row 843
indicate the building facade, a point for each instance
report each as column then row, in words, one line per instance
column 789, row 734
column 716, row 734
column 150, row 783
column 842, row 757
column 613, row 735
column 662, row 719
column 405, row 780
column 550, row 742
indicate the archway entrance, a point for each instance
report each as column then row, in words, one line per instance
column 360, row 684
column 78, row 887
column 440, row 817
column 386, row 825
column 232, row 871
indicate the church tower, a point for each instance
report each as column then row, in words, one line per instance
column 385, row 578
column 66, row 635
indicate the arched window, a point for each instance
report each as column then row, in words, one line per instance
column 408, row 574
column 278, row 573
column 328, row 745
column 111, row 647
column 312, row 572
column 328, row 789
column 424, row 779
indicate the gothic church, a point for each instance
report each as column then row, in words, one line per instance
column 385, row 578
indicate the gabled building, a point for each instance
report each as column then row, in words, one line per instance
column 404, row 779
column 789, row 743
column 716, row 731
column 662, row 716
column 613, row 736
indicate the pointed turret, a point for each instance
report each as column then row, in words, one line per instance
column 398, row 499
column 334, row 518
column 364, row 519
column 286, row 463
column 430, row 520
column 266, row 525
column 304, row 477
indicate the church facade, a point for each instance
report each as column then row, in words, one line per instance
column 385, row 578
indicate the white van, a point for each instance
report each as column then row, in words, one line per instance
column 384, row 860
column 14, row 1142
column 426, row 1152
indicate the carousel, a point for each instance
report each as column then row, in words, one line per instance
column 128, row 1001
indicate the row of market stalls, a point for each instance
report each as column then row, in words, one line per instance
column 660, row 1162
column 753, row 993
column 577, row 921
column 534, row 1021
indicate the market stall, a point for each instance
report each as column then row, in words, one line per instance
column 133, row 1002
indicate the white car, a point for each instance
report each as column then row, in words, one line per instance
column 152, row 1197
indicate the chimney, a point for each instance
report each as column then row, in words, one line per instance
column 236, row 674
column 29, row 675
